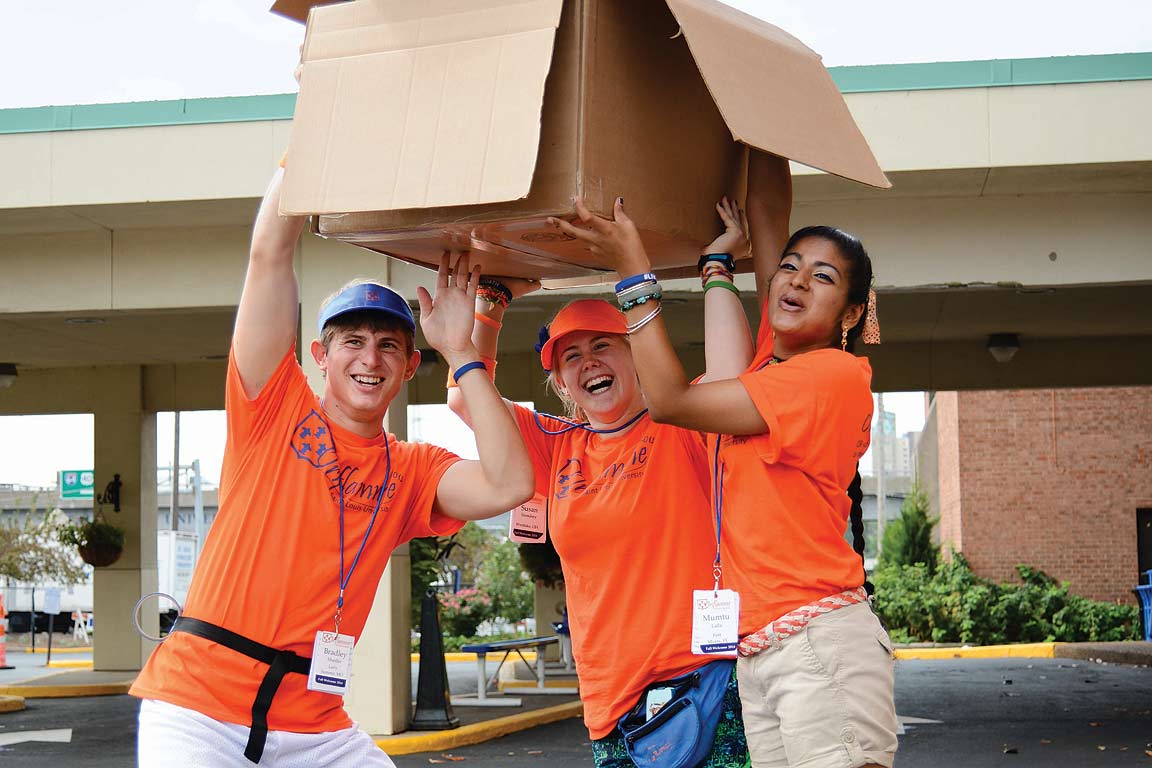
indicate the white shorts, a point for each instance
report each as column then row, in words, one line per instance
column 823, row 699
column 171, row 735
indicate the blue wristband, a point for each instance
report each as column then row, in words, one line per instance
column 467, row 367
column 628, row 282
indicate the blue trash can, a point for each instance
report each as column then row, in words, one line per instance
column 1144, row 592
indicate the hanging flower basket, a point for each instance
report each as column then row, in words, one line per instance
column 100, row 555
column 99, row 543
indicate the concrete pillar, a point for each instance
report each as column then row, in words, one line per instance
column 547, row 604
column 125, row 444
column 380, row 693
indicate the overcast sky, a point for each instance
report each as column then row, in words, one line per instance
column 59, row 52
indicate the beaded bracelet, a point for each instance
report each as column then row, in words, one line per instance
column 632, row 304
column 641, row 289
column 722, row 284
column 475, row 364
column 645, row 320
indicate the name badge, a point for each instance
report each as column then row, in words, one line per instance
column 715, row 622
column 529, row 523
column 331, row 663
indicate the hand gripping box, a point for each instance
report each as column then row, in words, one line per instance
column 432, row 125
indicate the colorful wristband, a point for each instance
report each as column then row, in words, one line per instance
column 722, row 284
column 494, row 292
column 483, row 319
column 465, row 368
column 628, row 282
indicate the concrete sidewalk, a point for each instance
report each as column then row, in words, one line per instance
column 481, row 724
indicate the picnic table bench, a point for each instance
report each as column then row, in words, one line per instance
column 507, row 648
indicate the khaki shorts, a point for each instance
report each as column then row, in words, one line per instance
column 824, row 697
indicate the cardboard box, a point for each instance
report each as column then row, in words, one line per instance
column 449, row 124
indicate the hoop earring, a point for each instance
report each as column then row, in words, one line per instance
column 843, row 338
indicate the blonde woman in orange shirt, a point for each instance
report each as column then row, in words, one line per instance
column 629, row 512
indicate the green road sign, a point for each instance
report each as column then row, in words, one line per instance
column 76, row 483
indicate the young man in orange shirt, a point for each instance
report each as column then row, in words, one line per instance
column 314, row 497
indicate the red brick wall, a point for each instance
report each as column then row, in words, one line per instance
column 1051, row 478
column 948, row 470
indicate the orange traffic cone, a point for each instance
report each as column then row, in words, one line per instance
column 3, row 636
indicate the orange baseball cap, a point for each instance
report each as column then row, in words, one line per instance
column 582, row 315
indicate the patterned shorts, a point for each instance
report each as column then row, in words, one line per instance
column 729, row 749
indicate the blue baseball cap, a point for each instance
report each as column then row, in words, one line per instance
column 367, row 296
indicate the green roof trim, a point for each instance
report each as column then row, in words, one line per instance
column 993, row 73
column 862, row 79
column 138, row 114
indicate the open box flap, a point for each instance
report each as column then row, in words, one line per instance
column 297, row 9
column 410, row 104
column 774, row 91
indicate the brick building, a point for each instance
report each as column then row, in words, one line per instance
column 1056, row 478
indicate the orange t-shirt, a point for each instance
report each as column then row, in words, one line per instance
column 785, row 503
column 630, row 516
column 270, row 566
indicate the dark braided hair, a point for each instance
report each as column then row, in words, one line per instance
column 859, row 284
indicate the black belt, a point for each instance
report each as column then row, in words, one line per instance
column 279, row 664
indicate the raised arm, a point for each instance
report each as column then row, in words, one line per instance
column 503, row 477
column 266, row 320
column 486, row 335
column 717, row 406
column 769, row 211
column 728, row 345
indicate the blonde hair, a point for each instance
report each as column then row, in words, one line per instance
column 571, row 409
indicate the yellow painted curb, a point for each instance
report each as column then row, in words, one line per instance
column 11, row 703
column 70, row 664
column 1021, row 650
column 55, row 651
column 519, row 685
column 438, row 741
column 456, row 656
column 66, row 691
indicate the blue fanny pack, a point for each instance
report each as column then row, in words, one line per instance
column 681, row 733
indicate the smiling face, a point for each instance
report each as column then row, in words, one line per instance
column 808, row 298
column 597, row 371
column 364, row 368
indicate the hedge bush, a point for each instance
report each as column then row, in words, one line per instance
column 956, row 606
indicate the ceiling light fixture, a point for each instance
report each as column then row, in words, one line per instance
column 1003, row 346
column 84, row 320
column 7, row 375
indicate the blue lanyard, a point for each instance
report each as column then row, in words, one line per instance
column 571, row 425
column 344, row 579
column 718, row 504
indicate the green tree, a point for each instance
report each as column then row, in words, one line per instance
column 503, row 579
column 30, row 551
column 908, row 540
column 436, row 559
